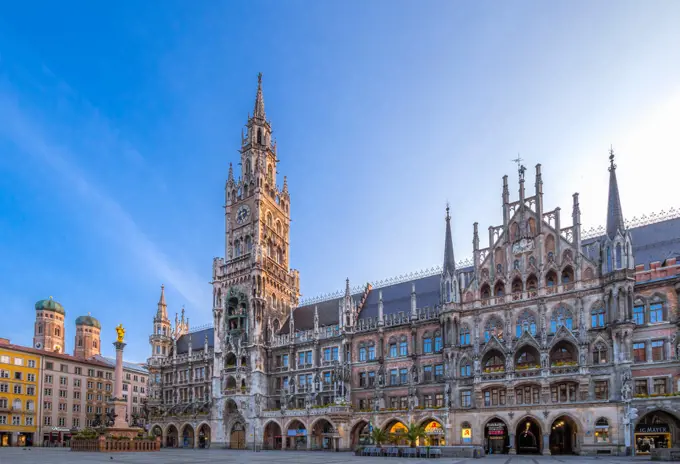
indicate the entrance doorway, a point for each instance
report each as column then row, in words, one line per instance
column 563, row 436
column 237, row 438
column 528, row 437
column 496, row 439
column 656, row 429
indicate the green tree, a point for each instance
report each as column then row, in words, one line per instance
column 379, row 436
column 413, row 433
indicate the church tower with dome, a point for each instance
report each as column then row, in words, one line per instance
column 87, row 342
column 49, row 334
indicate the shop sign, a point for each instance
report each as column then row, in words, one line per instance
column 496, row 428
column 59, row 429
column 434, row 428
column 654, row 428
column 297, row 433
column 466, row 435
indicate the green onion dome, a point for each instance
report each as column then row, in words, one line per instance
column 49, row 305
column 88, row 320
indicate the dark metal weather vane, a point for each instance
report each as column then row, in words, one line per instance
column 520, row 167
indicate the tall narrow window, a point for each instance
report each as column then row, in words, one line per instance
column 464, row 335
column 639, row 314
column 618, row 256
column 655, row 312
column 597, row 317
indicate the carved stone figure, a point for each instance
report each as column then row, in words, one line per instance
column 414, row 374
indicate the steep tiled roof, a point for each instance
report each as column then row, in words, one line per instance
column 130, row 366
column 50, row 354
column 657, row 241
column 197, row 340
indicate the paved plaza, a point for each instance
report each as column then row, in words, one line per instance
column 170, row 456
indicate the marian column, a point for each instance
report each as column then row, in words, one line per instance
column 119, row 404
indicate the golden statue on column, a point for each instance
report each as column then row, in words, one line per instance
column 120, row 331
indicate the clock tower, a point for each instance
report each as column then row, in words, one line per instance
column 254, row 288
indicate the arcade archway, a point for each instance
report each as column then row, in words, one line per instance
column 563, row 436
column 323, row 435
column 656, row 429
column 204, row 436
column 272, row 438
column 361, row 434
column 187, row 436
column 237, row 436
column 434, row 434
column 396, row 432
column 296, row 435
column 528, row 436
column 496, row 437
column 171, row 440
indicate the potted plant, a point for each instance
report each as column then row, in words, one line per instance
column 379, row 436
column 413, row 433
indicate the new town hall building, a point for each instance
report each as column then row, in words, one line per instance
column 550, row 340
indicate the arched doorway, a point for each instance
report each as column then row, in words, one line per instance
column 296, row 435
column 563, row 436
column 187, row 436
column 656, row 429
column 171, row 440
column 237, row 436
column 157, row 431
column 323, row 435
column 361, row 434
column 272, row 436
column 434, row 434
column 204, row 436
column 396, row 433
column 496, row 437
column 528, row 436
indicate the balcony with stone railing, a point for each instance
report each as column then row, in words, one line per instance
column 313, row 411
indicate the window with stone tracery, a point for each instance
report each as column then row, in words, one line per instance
column 526, row 322
column 561, row 317
column 493, row 327
column 464, row 335
column 600, row 354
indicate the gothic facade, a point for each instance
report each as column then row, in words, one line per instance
column 549, row 340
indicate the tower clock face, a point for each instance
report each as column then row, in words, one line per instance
column 242, row 214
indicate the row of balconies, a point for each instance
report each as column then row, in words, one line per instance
column 313, row 411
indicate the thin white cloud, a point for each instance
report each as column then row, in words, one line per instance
column 28, row 135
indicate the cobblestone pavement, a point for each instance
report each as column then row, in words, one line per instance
column 169, row 456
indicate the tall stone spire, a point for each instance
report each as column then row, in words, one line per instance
column 614, row 213
column 258, row 112
column 162, row 312
column 449, row 261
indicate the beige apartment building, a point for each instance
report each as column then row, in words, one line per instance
column 74, row 390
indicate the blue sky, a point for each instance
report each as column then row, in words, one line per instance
column 118, row 123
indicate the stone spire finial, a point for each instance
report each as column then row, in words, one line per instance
column 285, row 184
column 614, row 212
column 449, row 261
column 230, row 177
column 258, row 112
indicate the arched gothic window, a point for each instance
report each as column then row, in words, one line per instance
column 269, row 220
column 249, row 244
column 248, row 167
column 561, row 317
column 551, row 279
column 600, row 354
column 493, row 327
column 464, row 335
column 526, row 322
column 259, row 135
column 237, row 248
column 602, row 430
column 618, row 256
column 485, row 291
